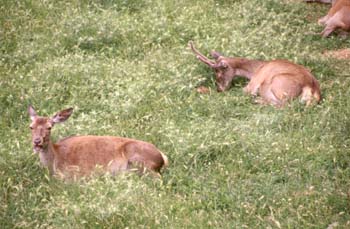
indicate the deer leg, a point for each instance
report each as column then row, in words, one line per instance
column 307, row 96
column 281, row 89
column 144, row 157
column 323, row 20
column 271, row 97
column 268, row 96
column 336, row 21
column 118, row 165
column 328, row 30
column 252, row 89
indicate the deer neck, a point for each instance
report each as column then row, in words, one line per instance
column 247, row 68
column 47, row 157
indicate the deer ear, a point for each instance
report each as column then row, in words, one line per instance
column 223, row 65
column 32, row 112
column 62, row 115
column 215, row 54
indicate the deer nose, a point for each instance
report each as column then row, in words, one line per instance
column 37, row 141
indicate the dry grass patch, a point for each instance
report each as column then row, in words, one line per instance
column 340, row 54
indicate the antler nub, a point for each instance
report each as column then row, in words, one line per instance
column 201, row 57
column 215, row 54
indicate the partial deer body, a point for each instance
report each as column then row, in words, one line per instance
column 276, row 81
column 321, row 1
column 338, row 17
column 78, row 156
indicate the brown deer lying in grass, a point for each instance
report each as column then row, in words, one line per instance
column 77, row 156
column 321, row 1
column 276, row 81
column 338, row 16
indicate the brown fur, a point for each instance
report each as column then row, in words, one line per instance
column 79, row 156
column 321, row 1
column 276, row 81
column 338, row 17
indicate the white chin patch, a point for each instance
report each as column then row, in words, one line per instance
column 38, row 149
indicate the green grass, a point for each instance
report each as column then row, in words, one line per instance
column 125, row 67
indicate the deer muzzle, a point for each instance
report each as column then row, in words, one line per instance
column 38, row 144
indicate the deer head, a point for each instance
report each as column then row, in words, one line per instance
column 224, row 68
column 41, row 127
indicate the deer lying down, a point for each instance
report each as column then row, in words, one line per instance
column 78, row 156
column 338, row 17
column 321, row 1
column 276, row 81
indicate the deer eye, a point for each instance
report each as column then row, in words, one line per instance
column 49, row 128
column 31, row 127
column 223, row 65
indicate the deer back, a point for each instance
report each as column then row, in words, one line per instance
column 278, row 81
column 283, row 67
column 338, row 6
column 339, row 17
column 85, row 153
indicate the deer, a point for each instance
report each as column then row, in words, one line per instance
column 81, row 156
column 321, row 1
column 275, row 81
column 338, row 17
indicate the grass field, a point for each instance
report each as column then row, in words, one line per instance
column 125, row 67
